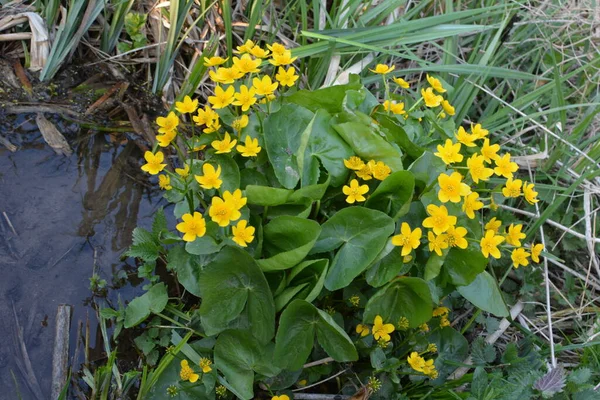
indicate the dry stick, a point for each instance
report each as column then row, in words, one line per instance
column 318, row 383
column 593, row 283
column 318, row 362
column 12, row 228
column 589, row 232
column 60, row 355
column 491, row 339
column 317, row 396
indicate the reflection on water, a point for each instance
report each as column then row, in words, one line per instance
column 68, row 213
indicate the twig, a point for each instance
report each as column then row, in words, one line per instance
column 318, row 362
column 12, row 228
column 318, row 383
column 318, row 396
column 60, row 355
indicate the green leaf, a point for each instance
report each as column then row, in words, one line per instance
column 321, row 143
column 187, row 267
column 328, row 99
column 146, row 251
column 313, row 272
column 295, row 337
column 452, row 348
column 434, row 265
column 282, row 133
column 404, row 297
column 426, row 169
column 360, row 233
column 398, row 135
column 233, row 283
column 368, row 144
column 230, row 173
column 207, row 243
column 287, row 295
column 267, row 196
column 484, row 293
column 153, row 301
column 388, row 265
column 394, row 194
column 159, row 224
column 288, row 240
column 462, row 266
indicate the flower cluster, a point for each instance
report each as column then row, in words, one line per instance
column 187, row 373
column 419, row 364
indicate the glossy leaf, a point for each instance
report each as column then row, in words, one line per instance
column 485, row 294
column 394, row 194
column 153, row 301
column 388, row 265
column 462, row 266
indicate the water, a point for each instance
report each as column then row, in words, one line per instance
column 72, row 216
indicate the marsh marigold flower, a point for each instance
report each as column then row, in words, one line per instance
column 396, row 108
column 452, row 188
column 205, row 116
column 364, row 173
column 512, row 188
column 514, row 235
column 205, row 364
column 415, row 361
column 276, row 48
column 166, row 138
column 477, row 168
column 246, row 47
column 186, row 373
column 154, row 163
column 240, row 123
column 505, row 167
column 455, row 236
column 379, row 170
column 212, row 126
column 286, row 77
column 355, row 192
column 401, row 82
column 354, row 163
column 529, row 193
column 449, row 152
column 183, row 172
column 282, row 397
column 489, row 152
column 440, row 311
column 187, row 106
column 221, row 211
column 519, row 257
column 246, row 64
column 235, row 199
column 225, row 145
column 164, row 182
column 193, row 226
column 285, row 58
column 448, row 107
column 493, row 225
column 436, row 84
column 250, row 148
column 226, row 75
column 489, row 244
column 536, row 250
column 437, row 243
column 381, row 330
column 465, row 138
column 167, row 123
column 222, row 98
column 264, row 86
column 439, row 220
column 258, row 52
column 472, row 204
column 408, row 239
column 478, row 131
column 242, row 233
column 431, row 99
column 214, row 61
column 363, row 330
column 383, row 69
column 210, row 178
column 245, row 98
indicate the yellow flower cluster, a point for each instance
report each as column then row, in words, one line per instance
column 443, row 313
column 380, row 330
column 186, row 373
column 419, row 364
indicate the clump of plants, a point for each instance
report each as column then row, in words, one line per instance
column 321, row 228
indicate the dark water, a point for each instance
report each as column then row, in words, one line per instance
column 72, row 216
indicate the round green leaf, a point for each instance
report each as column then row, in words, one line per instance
column 394, row 194
column 484, row 293
column 295, row 335
column 388, row 265
column 462, row 266
column 230, row 173
column 153, row 301
column 267, row 196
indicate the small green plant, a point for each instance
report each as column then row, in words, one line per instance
column 134, row 25
column 97, row 284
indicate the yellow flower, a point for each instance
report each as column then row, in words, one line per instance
column 381, row 330
column 489, row 152
column 478, row 131
column 452, row 188
column 529, row 193
column 225, row 75
column 240, row 123
column 235, row 199
column 214, row 61
column 519, row 257
column 183, row 172
column 355, row 192
column 164, row 182
column 246, row 64
column 442, row 115
column 225, row 145
column 166, row 138
column 379, row 170
column 222, row 98
column 153, row 162
column 245, row 97
column 504, row 167
column 205, row 364
column 424, row 328
column 429, row 368
column 401, row 82
column 264, row 86
column 449, row 152
column 512, row 188
column 514, row 235
column 286, row 78
column 437, row 243
column 210, row 177
column 250, row 148
column 436, row 84
column 430, row 98
column 382, row 69
column 471, row 205
column 257, row 52
column 354, row 163
column 243, row 234
column 448, row 107
column 407, row 238
column 187, row 105
column 440, row 311
column 439, row 220
column 444, row 321
column 396, row 108
column 416, row 362
column 212, row 126
column 364, row 173
column 168, row 123
column 463, row 137
column 432, row 348
column 192, row 226
column 282, row 397
column 477, row 168
column 284, row 58
column 536, row 250
column 221, row 212
column 205, row 116
column 246, row 47
column 455, row 236
column 276, row 48
column 493, row 225
column 267, row 99
column 489, row 244
column 186, row 373
column 363, row 330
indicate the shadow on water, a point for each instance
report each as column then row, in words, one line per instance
column 65, row 217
